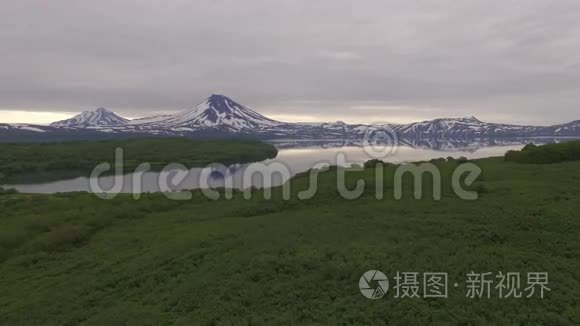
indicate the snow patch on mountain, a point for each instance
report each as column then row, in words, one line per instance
column 24, row 126
column 219, row 112
column 100, row 117
column 568, row 129
column 146, row 120
column 463, row 127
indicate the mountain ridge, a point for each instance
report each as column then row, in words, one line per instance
column 219, row 115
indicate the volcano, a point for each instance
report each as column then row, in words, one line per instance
column 100, row 117
column 216, row 112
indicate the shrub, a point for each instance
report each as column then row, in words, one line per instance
column 529, row 147
column 439, row 160
column 7, row 191
column 545, row 154
column 65, row 236
column 10, row 239
column 374, row 162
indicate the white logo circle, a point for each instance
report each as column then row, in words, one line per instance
column 380, row 142
column 367, row 290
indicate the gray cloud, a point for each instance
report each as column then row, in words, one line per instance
column 512, row 61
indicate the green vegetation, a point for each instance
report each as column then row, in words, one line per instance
column 546, row 154
column 7, row 191
column 52, row 161
column 72, row 259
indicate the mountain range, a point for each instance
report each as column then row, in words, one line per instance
column 220, row 116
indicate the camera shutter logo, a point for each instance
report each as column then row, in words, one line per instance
column 377, row 292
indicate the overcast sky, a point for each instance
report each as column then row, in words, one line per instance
column 300, row 60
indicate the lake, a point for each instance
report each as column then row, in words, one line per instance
column 293, row 157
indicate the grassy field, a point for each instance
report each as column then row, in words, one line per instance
column 74, row 259
column 36, row 162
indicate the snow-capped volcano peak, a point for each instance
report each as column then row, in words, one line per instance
column 100, row 117
column 103, row 111
column 471, row 119
column 218, row 111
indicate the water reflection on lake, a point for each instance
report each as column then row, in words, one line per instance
column 296, row 156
